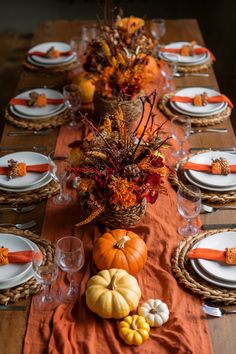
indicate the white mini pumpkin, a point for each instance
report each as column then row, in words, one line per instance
column 155, row 312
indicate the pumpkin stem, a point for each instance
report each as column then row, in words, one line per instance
column 121, row 242
column 112, row 284
column 153, row 311
column 133, row 325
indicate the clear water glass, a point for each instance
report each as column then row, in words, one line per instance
column 157, row 28
column 45, row 273
column 72, row 95
column 189, row 206
column 59, row 172
column 70, row 258
column 169, row 73
column 180, row 129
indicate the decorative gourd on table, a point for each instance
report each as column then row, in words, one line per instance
column 120, row 249
column 134, row 330
column 112, row 293
column 155, row 312
column 87, row 88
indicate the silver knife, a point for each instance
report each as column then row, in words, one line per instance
column 218, row 226
column 24, row 148
column 209, row 130
column 227, row 149
column 191, row 74
column 13, row 308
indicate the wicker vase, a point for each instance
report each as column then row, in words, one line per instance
column 132, row 109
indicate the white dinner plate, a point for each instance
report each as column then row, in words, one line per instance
column 36, row 186
column 194, row 59
column 20, row 115
column 193, row 91
column 32, row 61
column 211, row 179
column 22, row 279
column 44, row 47
column 202, row 61
column 199, row 115
column 14, row 243
column 31, row 178
column 39, row 111
column 219, row 241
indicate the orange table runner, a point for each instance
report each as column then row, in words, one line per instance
column 75, row 329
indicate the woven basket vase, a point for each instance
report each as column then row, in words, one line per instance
column 131, row 109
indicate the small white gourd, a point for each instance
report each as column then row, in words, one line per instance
column 155, row 312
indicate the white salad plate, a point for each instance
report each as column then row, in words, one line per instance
column 194, row 59
column 24, row 116
column 209, row 179
column 199, row 115
column 31, row 178
column 23, row 277
column 40, row 111
column 14, row 243
column 48, row 65
column 44, row 47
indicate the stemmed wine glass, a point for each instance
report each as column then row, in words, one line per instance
column 180, row 128
column 72, row 95
column 157, row 28
column 70, row 258
column 189, row 206
column 45, row 273
column 59, row 172
column 169, row 72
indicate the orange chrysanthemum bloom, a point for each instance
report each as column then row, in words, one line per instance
column 123, row 193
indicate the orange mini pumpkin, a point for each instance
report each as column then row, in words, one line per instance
column 151, row 69
column 121, row 249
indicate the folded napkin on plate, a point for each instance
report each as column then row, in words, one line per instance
column 44, row 54
column 212, row 99
column 228, row 256
column 196, row 51
column 24, row 102
column 40, row 168
column 15, row 257
column 204, row 167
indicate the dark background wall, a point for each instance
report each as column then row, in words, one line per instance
column 217, row 20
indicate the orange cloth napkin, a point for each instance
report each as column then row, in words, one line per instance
column 213, row 99
column 42, row 54
column 207, row 253
column 24, row 102
column 44, row 167
column 20, row 256
column 196, row 51
column 203, row 167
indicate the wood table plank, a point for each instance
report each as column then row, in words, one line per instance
column 13, row 324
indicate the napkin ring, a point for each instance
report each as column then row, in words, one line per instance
column 220, row 166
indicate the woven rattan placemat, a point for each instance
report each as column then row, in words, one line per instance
column 30, row 197
column 195, row 68
column 186, row 276
column 178, row 179
column 195, row 121
column 30, row 124
column 50, row 70
column 29, row 287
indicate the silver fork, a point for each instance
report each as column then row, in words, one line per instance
column 24, row 226
column 30, row 132
column 216, row 311
column 20, row 210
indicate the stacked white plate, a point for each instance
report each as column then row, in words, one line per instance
column 51, row 62
column 34, row 113
column 217, row 183
column 32, row 180
column 14, row 274
column 188, row 108
column 218, row 273
column 196, row 59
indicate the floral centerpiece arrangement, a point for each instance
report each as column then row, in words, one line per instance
column 119, row 171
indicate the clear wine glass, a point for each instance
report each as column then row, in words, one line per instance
column 157, row 28
column 180, row 128
column 45, row 272
column 59, row 172
column 70, row 258
column 189, row 206
column 72, row 95
column 169, row 72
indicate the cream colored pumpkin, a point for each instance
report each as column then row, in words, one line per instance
column 112, row 293
column 155, row 312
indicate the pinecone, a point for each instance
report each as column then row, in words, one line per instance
column 131, row 171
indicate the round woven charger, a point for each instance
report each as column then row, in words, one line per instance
column 195, row 68
column 131, row 108
column 123, row 218
column 29, row 287
column 199, row 122
column 178, row 179
column 35, row 196
column 185, row 274
column 30, row 124
column 49, row 70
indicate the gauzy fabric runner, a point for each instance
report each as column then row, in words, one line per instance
column 74, row 329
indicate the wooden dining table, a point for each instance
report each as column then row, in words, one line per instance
column 13, row 323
